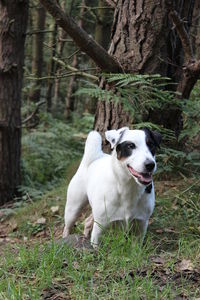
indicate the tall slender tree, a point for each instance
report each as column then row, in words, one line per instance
column 13, row 22
column 69, row 99
column 51, row 68
column 37, row 55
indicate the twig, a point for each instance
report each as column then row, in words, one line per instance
column 74, row 53
column 78, row 72
column 33, row 113
column 95, row 7
column 64, row 75
column 38, row 31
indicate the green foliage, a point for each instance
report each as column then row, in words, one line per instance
column 138, row 93
column 191, row 115
column 47, row 152
column 84, row 123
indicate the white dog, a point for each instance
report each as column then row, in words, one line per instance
column 119, row 186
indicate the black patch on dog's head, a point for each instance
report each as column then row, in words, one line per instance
column 125, row 149
column 148, row 189
column 153, row 140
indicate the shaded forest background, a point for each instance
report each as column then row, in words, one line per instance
column 137, row 63
column 65, row 93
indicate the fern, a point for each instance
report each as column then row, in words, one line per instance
column 138, row 93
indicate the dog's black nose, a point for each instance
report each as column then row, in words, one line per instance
column 150, row 166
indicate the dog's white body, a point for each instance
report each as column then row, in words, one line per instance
column 114, row 185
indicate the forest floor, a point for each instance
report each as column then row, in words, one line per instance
column 34, row 265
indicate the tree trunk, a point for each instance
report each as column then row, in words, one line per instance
column 69, row 100
column 103, row 24
column 60, row 47
column 37, row 65
column 144, row 41
column 195, row 30
column 51, row 68
column 13, row 22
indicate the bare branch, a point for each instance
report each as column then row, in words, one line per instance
column 74, row 71
column 33, row 113
column 183, row 35
column 191, row 73
column 77, row 71
column 84, row 41
column 38, row 31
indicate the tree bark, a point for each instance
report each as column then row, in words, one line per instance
column 195, row 30
column 51, row 68
column 37, row 65
column 13, row 22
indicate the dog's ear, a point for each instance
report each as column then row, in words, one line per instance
column 157, row 138
column 154, row 135
column 114, row 136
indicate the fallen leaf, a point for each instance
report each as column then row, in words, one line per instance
column 76, row 265
column 184, row 265
column 14, row 226
column 41, row 221
column 55, row 209
column 175, row 207
column 159, row 230
column 158, row 260
column 170, row 230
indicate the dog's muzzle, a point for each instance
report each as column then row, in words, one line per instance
column 144, row 178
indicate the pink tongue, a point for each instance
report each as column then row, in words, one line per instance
column 147, row 178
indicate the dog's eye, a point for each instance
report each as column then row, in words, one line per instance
column 131, row 146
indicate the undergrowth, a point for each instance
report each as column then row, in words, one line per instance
column 48, row 150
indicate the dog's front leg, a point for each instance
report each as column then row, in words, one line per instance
column 142, row 228
column 96, row 233
column 139, row 228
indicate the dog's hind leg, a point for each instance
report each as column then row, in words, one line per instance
column 88, row 226
column 71, row 215
column 76, row 201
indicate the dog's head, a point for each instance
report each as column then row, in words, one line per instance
column 135, row 150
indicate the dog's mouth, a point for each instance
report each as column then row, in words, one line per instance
column 144, row 178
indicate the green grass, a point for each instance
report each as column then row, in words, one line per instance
column 41, row 268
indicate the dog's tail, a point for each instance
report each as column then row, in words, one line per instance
column 93, row 149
